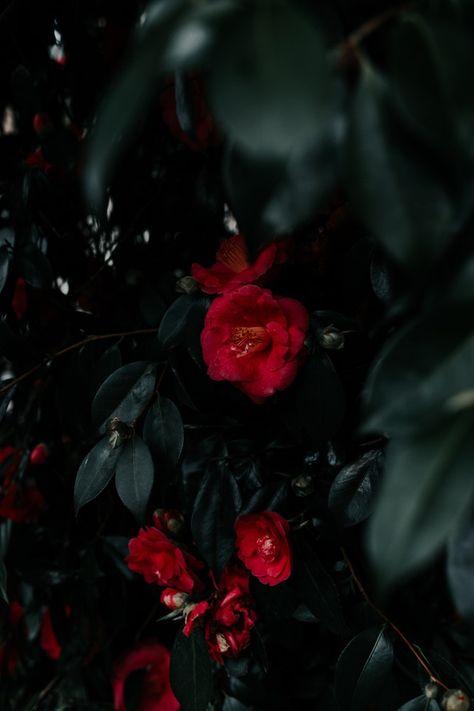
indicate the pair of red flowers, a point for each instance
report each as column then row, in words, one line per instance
column 228, row 615
column 251, row 337
column 21, row 502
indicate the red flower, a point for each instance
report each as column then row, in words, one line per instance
column 20, row 298
column 39, row 454
column 232, row 267
column 205, row 132
column 156, row 693
column 48, row 640
column 263, row 547
column 255, row 340
column 173, row 599
column 161, row 561
column 18, row 502
column 228, row 617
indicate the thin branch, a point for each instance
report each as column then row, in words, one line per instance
column 73, row 347
column 362, row 32
column 397, row 631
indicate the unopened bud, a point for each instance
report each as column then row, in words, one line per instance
column 42, row 123
column 173, row 599
column 186, row 285
column 222, row 643
column 331, row 338
column 431, row 690
column 455, row 700
column 118, row 432
column 39, row 454
column 170, row 521
column 303, row 485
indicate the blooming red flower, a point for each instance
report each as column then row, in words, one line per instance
column 255, row 340
column 232, row 267
column 161, row 561
column 263, row 546
column 228, row 616
column 48, row 640
column 156, row 693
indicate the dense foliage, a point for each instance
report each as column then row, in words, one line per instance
column 237, row 356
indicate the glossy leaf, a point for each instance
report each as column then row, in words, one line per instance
column 95, row 472
column 352, row 494
column 4, row 264
column 134, row 477
column 124, row 394
column 191, row 671
column 164, row 432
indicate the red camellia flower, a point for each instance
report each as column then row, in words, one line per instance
column 228, row 616
column 263, row 547
column 255, row 340
column 18, row 502
column 20, row 298
column 156, row 693
column 232, row 267
column 161, row 561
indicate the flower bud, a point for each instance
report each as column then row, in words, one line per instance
column 455, row 700
column 168, row 520
column 118, row 431
column 39, row 454
column 303, row 485
column 186, row 285
column 222, row 643
column 173, row 599
column 431, row 690
column 42, row 123
column 331, row 338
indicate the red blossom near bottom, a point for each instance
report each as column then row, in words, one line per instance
column 156, row 694
column 228, row 617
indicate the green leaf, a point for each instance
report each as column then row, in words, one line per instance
column 124, row 394
column 421, row 703
column 397, row 188
column 134, row 477
column 424, row 372
column 362, row 668
column 4, row 264
column 215, row 510
column 95, row 472
column 460, row 571
column 3, row 581
column 427, row 490
column 163, row 431
column 315, row 586
column 191, row 671
column 352, row 494
column 34, row 266
column 259, row 84
column 175, row 320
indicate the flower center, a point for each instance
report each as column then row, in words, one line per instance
column 266, row 548
column 249, row 339
column 233, row 254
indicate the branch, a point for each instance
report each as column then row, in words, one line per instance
column 398, row 632
column 73, row 347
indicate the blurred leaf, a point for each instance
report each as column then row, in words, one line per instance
column 352, row 494
column 421, row 703
column 4, row 264
column 427, row 489
column 362, row 668
column 412, row 214
column 270, row 497
column 134, row 477
column 191, row 671
column 215, row 510
column 460, row 571
column 260, row 87
column 124, row 394
column 34, row 266
column 163, row 431
column 423, row 372
column 95, row 472
column 3, row 581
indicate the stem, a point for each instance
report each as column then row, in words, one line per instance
column 359, row 35
column 73, row 347
column 397, row 631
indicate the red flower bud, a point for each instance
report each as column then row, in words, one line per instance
column 173, row 599
column 42, row 123
column 39, row 454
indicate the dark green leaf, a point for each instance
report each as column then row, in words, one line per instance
column 413, row 214
column 34, row 266
column 421, row 703
column 95, row 472
column 116, row 547
column 423, row 372
column 216, row 507
column 175, row 320
column 269, row 497
column 3, row 582
column 460, row 570
column 191, row 671
column 134, row 477
column 362, row 668
column 315, row 586
column 352, row 494
column 124, row 394
column 260, row 87
column 4, row 264
column 108, row 363
column 163, row 431
column 427, row 489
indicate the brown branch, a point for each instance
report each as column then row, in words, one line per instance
column 73, row 347
column 384, row 617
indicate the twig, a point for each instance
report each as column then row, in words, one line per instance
column 359, row 35
column 397, row 631
column 73, row 347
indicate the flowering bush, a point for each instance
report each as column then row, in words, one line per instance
column 236, row 396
